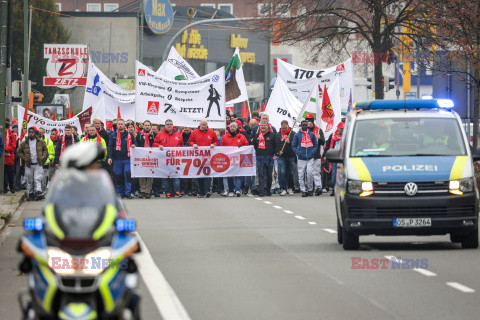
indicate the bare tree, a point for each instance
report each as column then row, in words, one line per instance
column 331, row 25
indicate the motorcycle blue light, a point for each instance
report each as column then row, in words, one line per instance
column 125, row 225
column 33, row 224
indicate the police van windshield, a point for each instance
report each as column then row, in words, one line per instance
column 407, row 137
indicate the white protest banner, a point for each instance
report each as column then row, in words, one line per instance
column 299, row 80
column 98, row 85
column 79, row 121
column 235, row 87
column 98, row 110
column 331, row 111
column 193, row 163
column 176, row 68
column 185, row 102
column 283, row 105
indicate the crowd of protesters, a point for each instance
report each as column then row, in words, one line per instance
column 287, row 161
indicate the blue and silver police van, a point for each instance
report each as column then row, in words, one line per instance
column 404, row 167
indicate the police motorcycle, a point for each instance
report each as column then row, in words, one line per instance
column 78, row 255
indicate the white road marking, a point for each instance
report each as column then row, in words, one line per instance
column 330, row 230
column 259, row 199
column 288, row 211
column 425, row 272
column 460, row 287
column 300, row 217
column 267, row 202
column 277, row 207
column 166, row 301
column 311, row 222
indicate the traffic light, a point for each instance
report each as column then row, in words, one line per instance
column 369, row 86
column 387, row 84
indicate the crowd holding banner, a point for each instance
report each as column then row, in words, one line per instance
column 174, row 135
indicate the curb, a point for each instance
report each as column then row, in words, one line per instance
column 7, row 210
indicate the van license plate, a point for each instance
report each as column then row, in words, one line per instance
column 413, row 222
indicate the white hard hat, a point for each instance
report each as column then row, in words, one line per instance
column 80, row 155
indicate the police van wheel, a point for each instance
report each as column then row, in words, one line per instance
column 470, row 241
column 339, row 232
column 350, row 240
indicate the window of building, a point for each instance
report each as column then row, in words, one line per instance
column 227, row 7
column 94, row 7
column 208, row 5
column 263, row 9
column 108, row 7
column 58, row 7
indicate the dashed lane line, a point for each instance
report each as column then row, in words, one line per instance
column 300, row 217
column 460, row 287
column 267, row 202
column 277, row 207
column 330, row 230
column 288, row 211
column 311, row 222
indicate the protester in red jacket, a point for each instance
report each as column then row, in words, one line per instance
column 10, row 145
column 169, row 138
column 203, row 137
column 233, row 138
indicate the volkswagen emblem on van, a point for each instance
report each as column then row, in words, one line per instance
column 411, row 189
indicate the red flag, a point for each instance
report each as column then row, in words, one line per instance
column 263, row 107
column 54, row 118
column 69, row 114
column 119, row 116
column 244, row 111
column 327, row 111
column 24, row 124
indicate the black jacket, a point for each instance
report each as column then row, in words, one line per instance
column 58, row 146
column 248, row 133
column 186, row 138
column 104, row 134
column 270, row 144
column 141, row 139
column 287, row 151
column 320, row 141
column 121, row 154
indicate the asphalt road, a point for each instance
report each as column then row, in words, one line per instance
column 276, row 258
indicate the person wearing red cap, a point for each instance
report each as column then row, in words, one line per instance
column 317, row 162
column 33, row 152
column 333, row 143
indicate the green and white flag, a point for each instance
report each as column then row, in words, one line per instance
column 176, row 68
column 235, row 88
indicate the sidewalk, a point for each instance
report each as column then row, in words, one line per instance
column 9, row 203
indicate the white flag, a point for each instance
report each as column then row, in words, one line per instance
column 329, row 124
column 98, row 86
column 299, row 80
column 185, row 102
column 283, row 105
column 175, row 67
column 235, row 88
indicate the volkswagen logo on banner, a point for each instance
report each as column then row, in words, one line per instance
column 159, row 15
column 411, row 189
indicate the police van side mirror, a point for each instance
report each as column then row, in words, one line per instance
column 333, row 155
column 475, row 155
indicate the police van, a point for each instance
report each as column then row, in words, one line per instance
column 404, row 167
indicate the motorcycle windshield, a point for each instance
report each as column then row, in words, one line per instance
column 80, row 199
